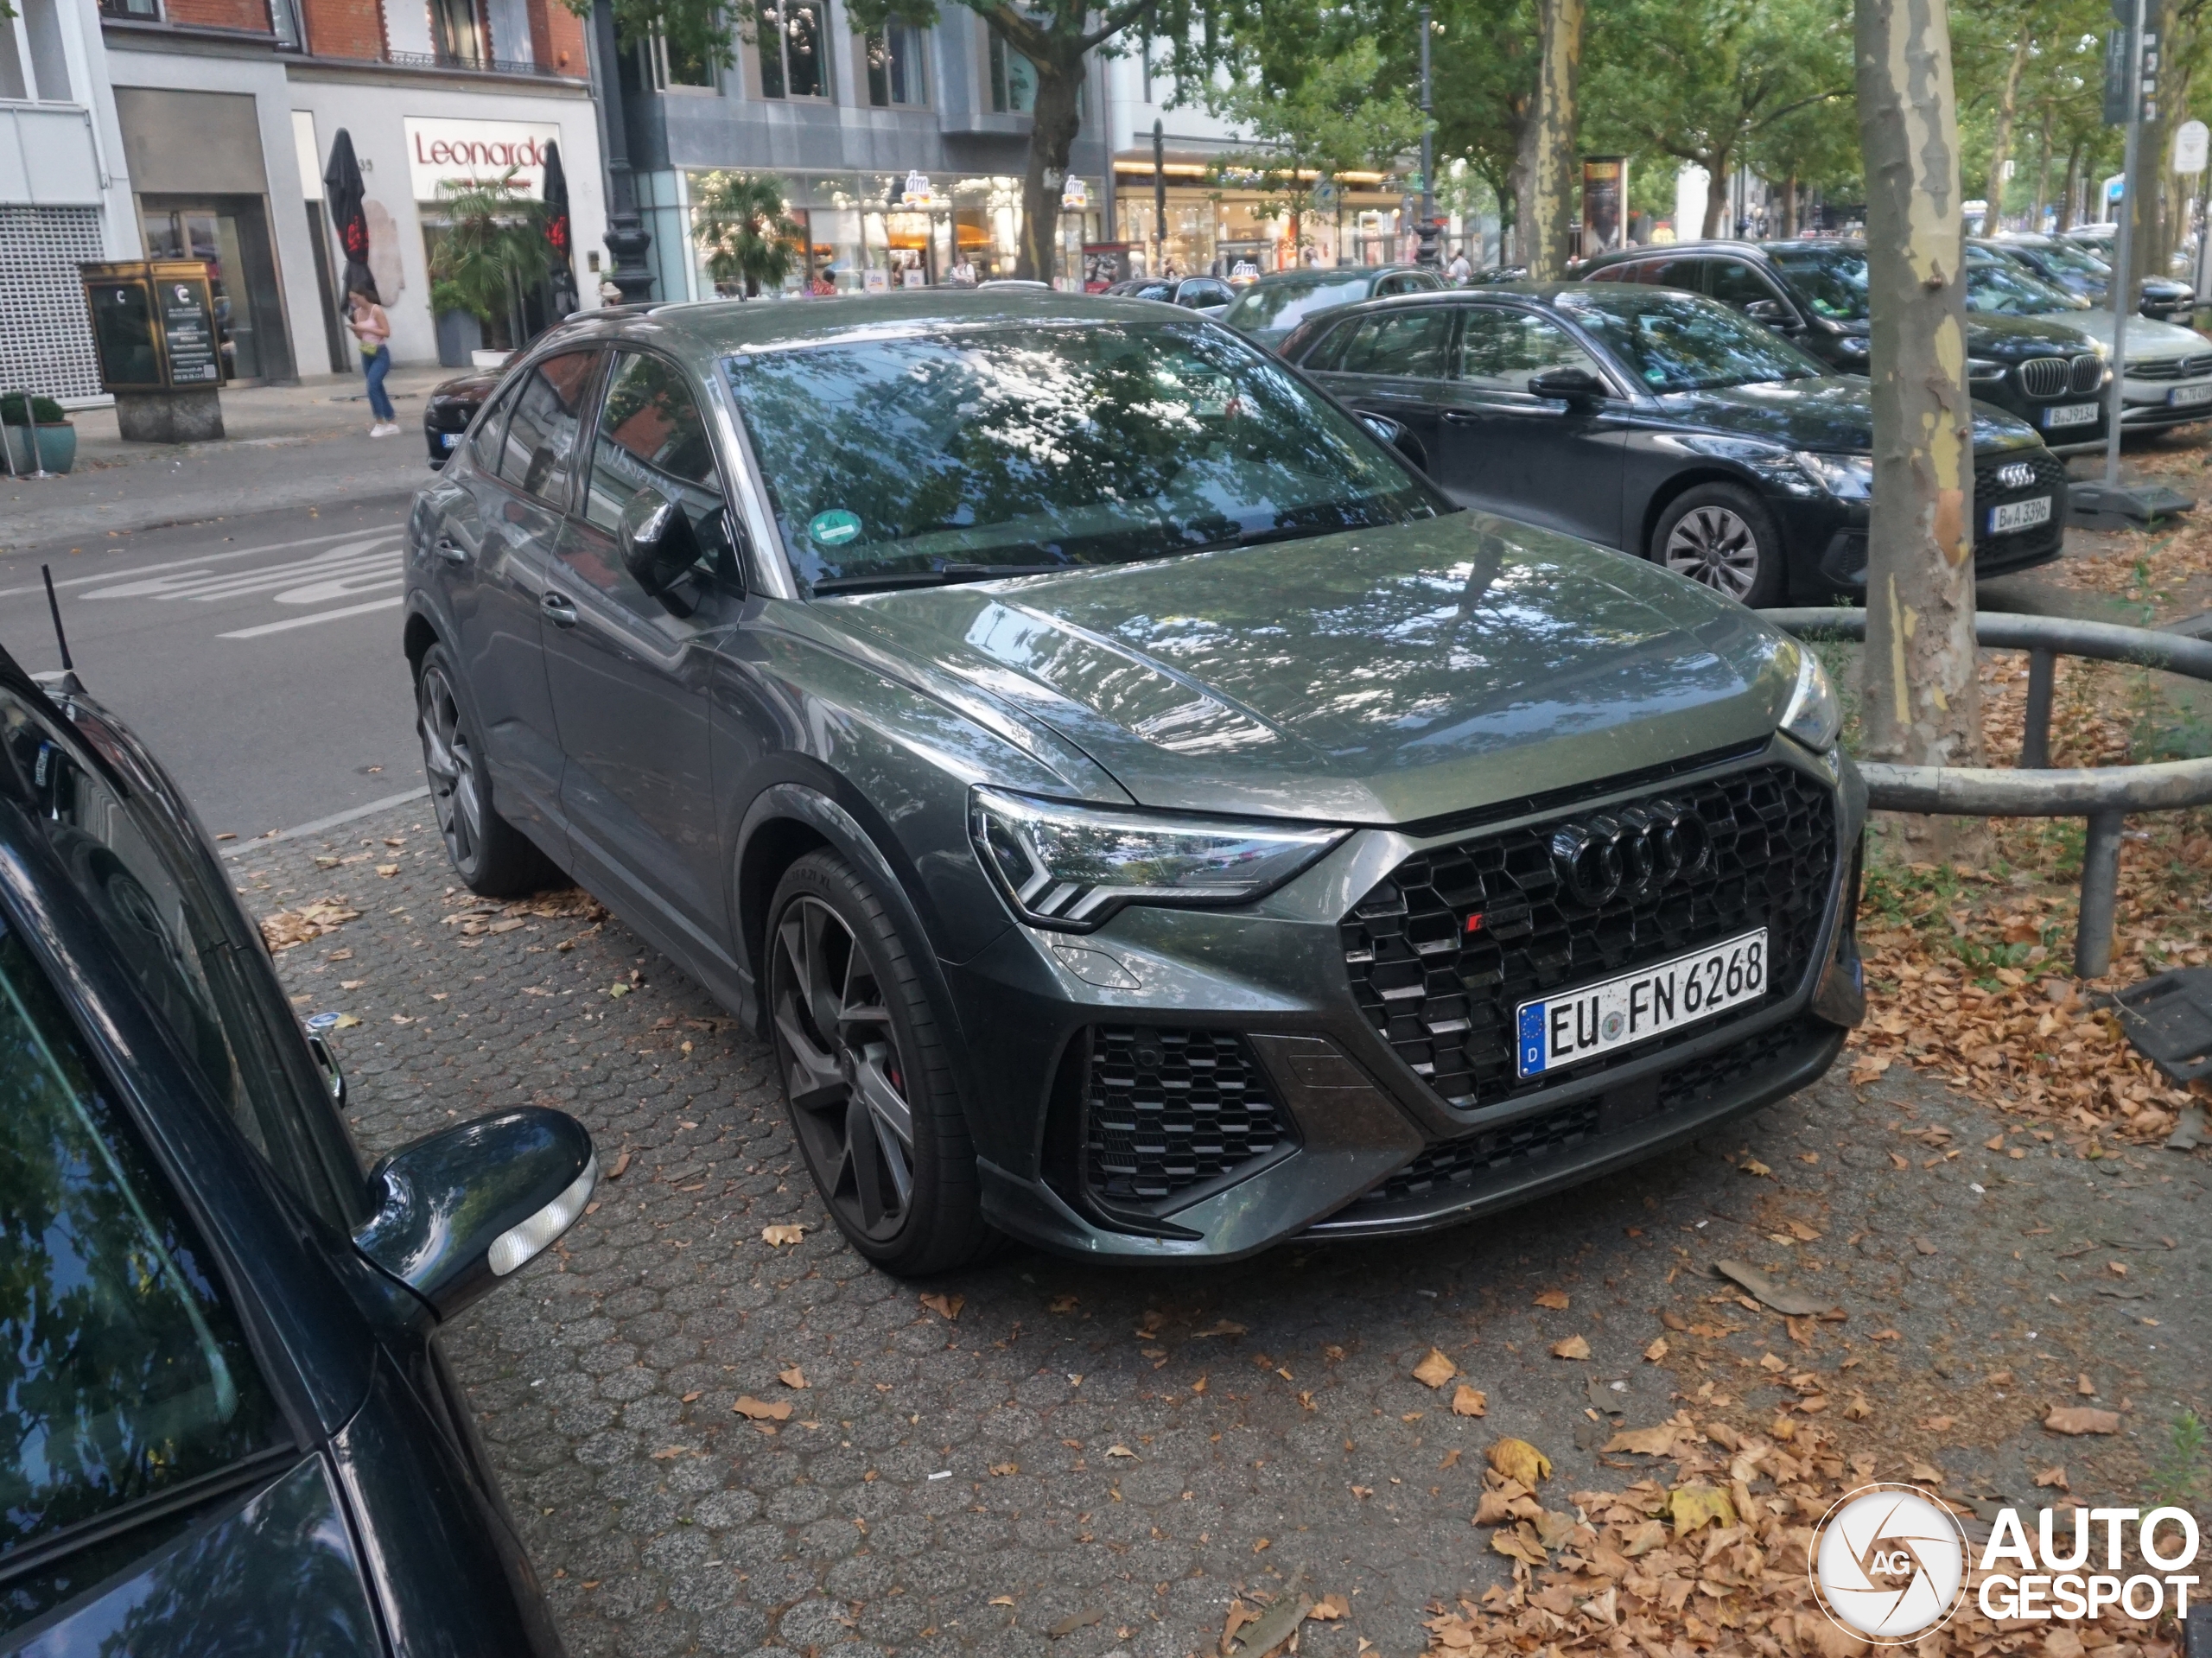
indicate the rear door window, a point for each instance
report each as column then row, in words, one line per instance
column 128, row 1374
column 541, row 436
column 1500, row 349
column 651, row 436
column 484, row 448
column 1413, row 344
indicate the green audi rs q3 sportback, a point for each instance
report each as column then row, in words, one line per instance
column 1146, row 815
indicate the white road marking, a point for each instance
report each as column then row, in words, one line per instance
column 290, row 622
column 191, row 563
column 322, row 823
column 373, row 553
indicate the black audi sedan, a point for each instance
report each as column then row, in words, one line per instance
column 229, row 1428
column 452, row 404
column 2048, row 372
column 1661, row 423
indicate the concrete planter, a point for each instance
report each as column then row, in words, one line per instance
column 460, row 336
column 57, row 447
column 489, row 358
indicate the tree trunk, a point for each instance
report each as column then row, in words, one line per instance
column 1716, row 196
column 1921, row 702
column 2042, row 197
column 1525, row 211
column 1790, row 207
column 1557, row 132
column 1053, row 121
column 2000, row 142
column 2147, row 252
column 2073, row 188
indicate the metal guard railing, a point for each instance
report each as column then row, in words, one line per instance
column 2104, row 795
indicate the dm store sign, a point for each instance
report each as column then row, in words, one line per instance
column 482, row 152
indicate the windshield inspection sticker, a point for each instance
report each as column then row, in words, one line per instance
column 834, row 528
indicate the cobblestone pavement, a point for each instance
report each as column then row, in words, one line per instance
column 1086, row 1461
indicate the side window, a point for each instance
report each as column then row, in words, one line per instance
column 1204, row 292
column 1328, row 348
column 652, row 435
column 1499, row 349
column 127, row 1370
column 1736, row 284
column 541, row 435
column 188, row 965
column 484, row 448
column 1675, row 273
column 1390, row 285
column 1412, row 344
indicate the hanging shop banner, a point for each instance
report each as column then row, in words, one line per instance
column 440, row 151
column 1604, row 204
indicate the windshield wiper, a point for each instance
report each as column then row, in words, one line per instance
column 1278, row 533
column 943, row 575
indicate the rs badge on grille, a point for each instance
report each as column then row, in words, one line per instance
column 2016, row 475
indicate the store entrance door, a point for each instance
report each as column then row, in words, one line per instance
column 230, row 236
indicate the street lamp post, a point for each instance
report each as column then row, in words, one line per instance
column 1427, row 139
column 626, row 238
column 1159, row 199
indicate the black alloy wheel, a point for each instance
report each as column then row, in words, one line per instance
column 871, row 1100
column 489, row 854
column 1721, row 536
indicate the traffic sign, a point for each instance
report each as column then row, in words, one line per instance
column 2189, row 145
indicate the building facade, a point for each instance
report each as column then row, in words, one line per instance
column 200, row 128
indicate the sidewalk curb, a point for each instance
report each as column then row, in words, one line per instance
column 334, row 821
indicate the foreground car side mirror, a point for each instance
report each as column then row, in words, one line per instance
column 1399, row 436
column 458, row 1210
column 1567, row 383
column 660, row 550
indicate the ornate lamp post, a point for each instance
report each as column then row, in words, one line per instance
column 626, row 239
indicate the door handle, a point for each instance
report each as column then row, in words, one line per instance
column 559, row 608
column 448, row 551
column 1461, row 418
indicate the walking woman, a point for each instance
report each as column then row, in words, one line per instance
column 372, row 329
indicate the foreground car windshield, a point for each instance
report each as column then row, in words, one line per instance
column 1285, row 304
column 952, row 454
column 1678, row 342
column 1832, row 280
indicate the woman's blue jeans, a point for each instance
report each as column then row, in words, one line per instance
column 376, row 368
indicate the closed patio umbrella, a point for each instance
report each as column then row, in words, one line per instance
column 559, row 238
column 342, row 190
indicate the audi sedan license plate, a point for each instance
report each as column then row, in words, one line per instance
column 2072, row 414
column 2018, row 515
column 1579, row 1025
column 2188, row 397
column 449, row 439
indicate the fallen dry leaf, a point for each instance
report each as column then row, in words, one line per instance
column 1656, row 1351
column 782, row 1234
column 1518, row 1459
column 1451, row 1458
column 2080, row 1419
column 1780, row 1298
column 1493, row 1508
column 1226, row 1327
column 1752, row 1166
column 1936, row 1424
column 1001, row 1469
column 1074, row 1621
column 1122, row 1450
column 794, row 1377
column 1693, row 1506
column 1858, row 1410
column 761, row 1411
column 946, row 1306
column 1329, row 1609
column 1000, row 1600
column 2054, row 1478
column 1575, row 1347
column 2086, row 1387
column 1645, row 1441
column 1556, row 1300
column 1434, row 1370
column 1469, row 1401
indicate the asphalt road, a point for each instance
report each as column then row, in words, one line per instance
column 259, row 656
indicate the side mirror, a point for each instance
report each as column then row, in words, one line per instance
column 460, row 1209
column 660, row 548
column 1567, row 383
column 1399, row 436
column 1772, row 313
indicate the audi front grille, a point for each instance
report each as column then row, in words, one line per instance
column 1757, row 849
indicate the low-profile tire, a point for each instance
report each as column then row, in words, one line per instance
column 491, row 856
column 873, row 1101
column 1722, row 535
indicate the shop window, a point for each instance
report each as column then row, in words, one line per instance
column 1013, row 80
column 145, row 11
column 457, row 31
column 896, row 74
column 792, row 58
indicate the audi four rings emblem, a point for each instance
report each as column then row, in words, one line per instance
column 1630, row 854
column 2016, row 475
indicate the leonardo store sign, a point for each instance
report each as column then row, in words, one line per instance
column 441, row 150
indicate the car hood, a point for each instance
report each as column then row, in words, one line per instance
column 1381, row 677
column 1833, row 412
column 2055, row 334
column 2145, row 337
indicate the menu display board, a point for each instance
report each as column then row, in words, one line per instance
column 154, row 325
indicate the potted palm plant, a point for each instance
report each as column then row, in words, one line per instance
column 744, row 229
column 45, row 423
column 490, row 249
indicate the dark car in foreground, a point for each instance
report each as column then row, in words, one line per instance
column 1661, row 423
column 452, row 404
column 2047, row 373
column 1145, row 815
column 229, row 1428
column 1270, row 308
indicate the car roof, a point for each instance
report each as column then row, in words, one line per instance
column 1327, row 273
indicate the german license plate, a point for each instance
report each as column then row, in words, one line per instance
column 2071, row 414
column 449, row 440
column 2018, row 515
column 1579, row 1025
column 2188, row 397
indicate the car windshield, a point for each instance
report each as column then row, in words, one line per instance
column 1674, row 341
column 955, row 455
column 1832, row 281
column 2000, row 286
column 125, row 1372
column 1286, row 304
column 2069, row 259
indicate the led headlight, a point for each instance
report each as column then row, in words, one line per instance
column 1068, row 867
column 1815, row 716
column 1846, row 477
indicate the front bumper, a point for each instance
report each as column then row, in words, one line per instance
column 2151, row 405
column 1367, row 1146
